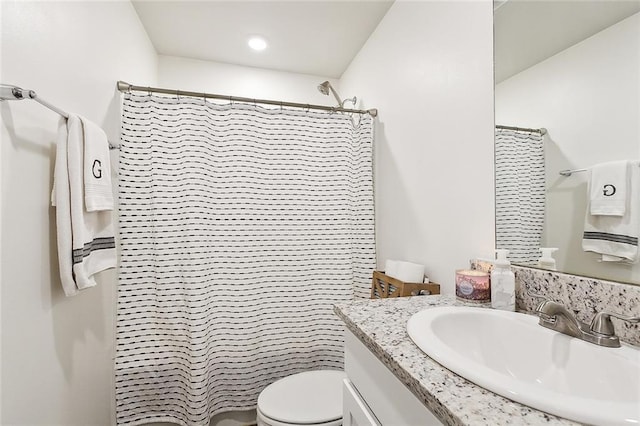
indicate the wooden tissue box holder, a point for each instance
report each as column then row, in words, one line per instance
column 384, row 286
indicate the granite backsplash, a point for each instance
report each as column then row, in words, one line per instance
column 584, row 296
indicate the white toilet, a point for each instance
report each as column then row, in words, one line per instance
column 312, row 398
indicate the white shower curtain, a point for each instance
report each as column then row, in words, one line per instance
column 240, row 227
column 520, row 194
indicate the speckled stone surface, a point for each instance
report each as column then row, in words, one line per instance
column 381, row 325
column 584, row 296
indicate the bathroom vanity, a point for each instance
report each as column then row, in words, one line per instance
column 400, row 385
column 392, row 382
column 372, row 395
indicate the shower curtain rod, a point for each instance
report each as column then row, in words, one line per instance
column 126, row 87
column 542, row 131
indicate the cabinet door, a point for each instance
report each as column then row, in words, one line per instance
column 385, row 395
column 355, row 410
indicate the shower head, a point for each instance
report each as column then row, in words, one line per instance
column 326, row 87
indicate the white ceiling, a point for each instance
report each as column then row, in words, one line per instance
column 309, row 37
column 322, row 37
column 530, row 31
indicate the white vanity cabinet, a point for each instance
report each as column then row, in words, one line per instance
column 355, row 412
column 373, row 396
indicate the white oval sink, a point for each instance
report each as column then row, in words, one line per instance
column 511, row 355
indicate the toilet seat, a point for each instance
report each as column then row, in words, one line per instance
column 311, row 398
column 266, row 421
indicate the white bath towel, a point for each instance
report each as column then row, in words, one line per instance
column 60, row 198
column 608, row 188
column 86, row 240
column 616, row 237
column 98, row 192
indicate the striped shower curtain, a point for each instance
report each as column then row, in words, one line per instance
column 240, row 227
column 520, row 194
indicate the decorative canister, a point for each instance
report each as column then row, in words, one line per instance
column 473, row 286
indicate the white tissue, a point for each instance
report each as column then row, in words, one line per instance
column 410, row 272
column 404, row 271
column 391, row 268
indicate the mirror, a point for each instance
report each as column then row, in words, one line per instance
column 572, row 68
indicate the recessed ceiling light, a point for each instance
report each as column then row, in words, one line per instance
column 257, row 43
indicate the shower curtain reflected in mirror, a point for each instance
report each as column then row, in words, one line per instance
column 520, row 194
column 240, row 227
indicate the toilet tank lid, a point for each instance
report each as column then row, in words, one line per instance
column 304, row 398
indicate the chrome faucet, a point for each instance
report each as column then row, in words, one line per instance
column 556, row 316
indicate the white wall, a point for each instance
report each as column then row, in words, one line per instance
column 588, row 98
column 428, row 68
column 57, row 353
column 234, row 80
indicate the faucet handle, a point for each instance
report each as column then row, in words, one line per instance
column 539, row 309
column 602, row 324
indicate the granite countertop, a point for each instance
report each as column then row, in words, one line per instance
column 381, row 325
